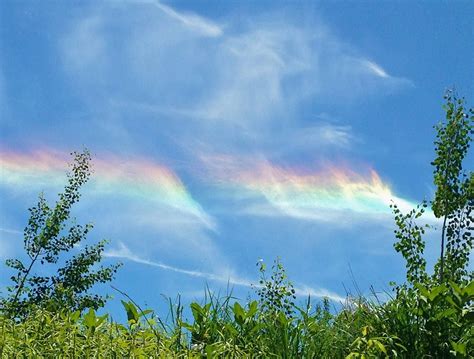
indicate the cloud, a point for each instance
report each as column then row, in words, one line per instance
column 304, row 291
column 175, row 85
column 11, row 231
column 123, row 252
column 301, row 290
column 327, row 133
column 322, row 192
column 255, row 88
column 258, row 87
column 252, row 79
column 192, row 21
column 376, row 69
column 135, row 179
column 319, row 136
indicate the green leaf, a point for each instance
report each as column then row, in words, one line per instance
column 459, row 348
column 239, row 313
column 253, row 307
column 89, row 318
column 132, row 312
column 380, row 346
column 198, row 312
column 469, row 289
column 435, row 292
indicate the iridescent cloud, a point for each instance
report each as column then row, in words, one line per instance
column 321, row 194
column 138, row 179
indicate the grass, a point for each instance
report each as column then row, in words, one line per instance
column 221, row 327
column 434, row 322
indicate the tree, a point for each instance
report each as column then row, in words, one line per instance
column 454, row 198
column 453, row 202
column 50, row 234
column 433, row 314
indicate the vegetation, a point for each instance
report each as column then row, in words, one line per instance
column 431, row 315
column 46, row 240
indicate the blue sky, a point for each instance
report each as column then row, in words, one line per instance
column 235, row 131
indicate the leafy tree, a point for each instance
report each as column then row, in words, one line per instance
column 453, row 202
column 49, row 234
column 433, row 315
column 454, row 198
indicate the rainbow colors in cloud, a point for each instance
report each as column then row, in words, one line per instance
column 324, row 194
column 327, row 194
column 137, row 179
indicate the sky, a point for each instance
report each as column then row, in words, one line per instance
column 225, row 132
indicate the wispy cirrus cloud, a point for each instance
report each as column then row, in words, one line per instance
column 11, row 231
column 320, row 136
column 304, row 291
column 122, row 252
column 154, row 80
column 192, row 21
column 125, row 253
column 228, row 88
column 376, row 69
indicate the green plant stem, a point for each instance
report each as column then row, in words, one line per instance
column 441, row 264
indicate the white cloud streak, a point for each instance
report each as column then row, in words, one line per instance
column 11, row 231
column 125, row 253
column 323, row 134
column 303, row 290
column 376, row 69
column 192, row 21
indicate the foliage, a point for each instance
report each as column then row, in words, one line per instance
column 410, row 242
column 433, row 314
column 276, row 293
column 47, row 238
column 367, row 346
column 454, row 198
column 434, row 321
column 220, row 329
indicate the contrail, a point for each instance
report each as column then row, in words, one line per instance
column 124, row 253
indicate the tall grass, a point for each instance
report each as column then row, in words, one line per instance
column 221, row 327
column 435, row 323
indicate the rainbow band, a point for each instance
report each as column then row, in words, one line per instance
column 314, row 195
column 138, row 179
column 309, row 195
